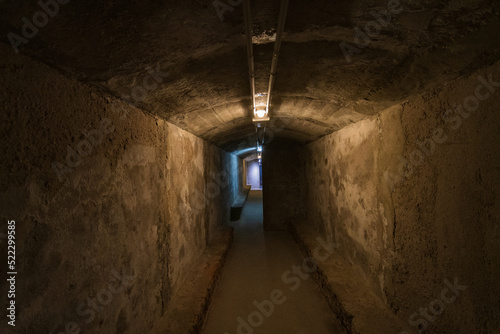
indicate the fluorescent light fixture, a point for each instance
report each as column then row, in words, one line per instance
column 259, row 148
column 260, row 114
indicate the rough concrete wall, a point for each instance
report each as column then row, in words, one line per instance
column 198, row 197
column 282, row 189
column 133, row 203
column 345, row 198
column 222, row 186
column 236, row 176
column 447, row 212
column 437, row 220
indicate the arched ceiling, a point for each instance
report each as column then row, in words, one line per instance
column 202, row 65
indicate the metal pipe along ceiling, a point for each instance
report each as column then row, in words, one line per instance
column 277, row 46
column 249, row 34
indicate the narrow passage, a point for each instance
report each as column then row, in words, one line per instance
column 253, row 297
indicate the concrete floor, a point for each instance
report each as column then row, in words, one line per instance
column 254, row 269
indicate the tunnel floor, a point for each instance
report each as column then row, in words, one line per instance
column 252, row 274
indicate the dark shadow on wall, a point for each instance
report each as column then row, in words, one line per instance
column 283, row 184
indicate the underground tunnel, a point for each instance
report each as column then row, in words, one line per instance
column 250, row 166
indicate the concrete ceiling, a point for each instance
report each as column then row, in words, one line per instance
column 200, row 60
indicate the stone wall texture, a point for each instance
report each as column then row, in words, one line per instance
column 100, row 192
column 411, row 196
